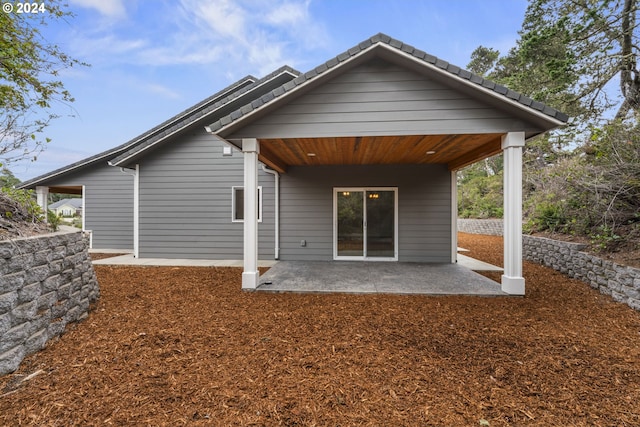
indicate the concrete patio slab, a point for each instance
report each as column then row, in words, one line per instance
column 475, row 264
column 351, row 277
column 376, row 277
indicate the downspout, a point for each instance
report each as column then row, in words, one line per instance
column 276, row 179
column 136, row 207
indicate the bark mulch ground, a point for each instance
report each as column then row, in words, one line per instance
column 176, row 346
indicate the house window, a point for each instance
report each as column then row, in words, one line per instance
column 237, row 204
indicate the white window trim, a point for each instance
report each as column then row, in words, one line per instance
column 233, row 203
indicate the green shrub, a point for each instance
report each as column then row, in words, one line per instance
column 20, row 205
column 547, row 215
column 53, row 220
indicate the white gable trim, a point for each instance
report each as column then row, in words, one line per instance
column 472, row 85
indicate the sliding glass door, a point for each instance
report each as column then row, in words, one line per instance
column 365, row 223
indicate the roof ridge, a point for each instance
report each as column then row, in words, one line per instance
column 386, row 40
column 248, row 81
column 204, row 111
column 125, row 146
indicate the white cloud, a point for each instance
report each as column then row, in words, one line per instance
column 262, row 35
column 288, row 14
column 110, row 44
column 161, row 90
column 110, row 8
column 243, row 36
column 224, row 17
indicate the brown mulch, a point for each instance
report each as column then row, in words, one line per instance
column 174, row 346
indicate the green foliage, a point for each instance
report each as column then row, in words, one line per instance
column 480, row 190
column 53, row 220
column 77, row 222
column 568, row 55
column 547, row 215
column 605, row 238
column 571, row 50
column 29, row 80
column 483, row 60
column 19, row 205
column 595, row 192
column 8, row 179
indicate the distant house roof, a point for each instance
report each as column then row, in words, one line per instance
column 76, row 203
column 168, row 127
column 221, row 126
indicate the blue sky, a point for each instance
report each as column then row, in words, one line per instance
column 152, row 59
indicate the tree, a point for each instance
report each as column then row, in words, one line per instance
column 29, row 80
column 600, row 43
column 483, row 60
column 7, row 178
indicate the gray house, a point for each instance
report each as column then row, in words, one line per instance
column 354, row 160
column 111, row 202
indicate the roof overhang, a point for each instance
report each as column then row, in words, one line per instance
column 455, row 149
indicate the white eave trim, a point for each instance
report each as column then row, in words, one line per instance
column 137, row 153
column 476, row 86
column 489, row 92
column 274, row 102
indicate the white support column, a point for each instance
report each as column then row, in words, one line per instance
column 512, row 280
column 250, row 275
column 136, row 212
column 454, row 217
column 42, row 198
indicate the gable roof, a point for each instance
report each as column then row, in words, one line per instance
column 389, row 47
column 168, row 127
column 233, row 100
column 75, row 203
column 108, row 154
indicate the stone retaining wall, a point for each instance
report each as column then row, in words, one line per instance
column 46, row 282
column 492, row 227
column 619, row 281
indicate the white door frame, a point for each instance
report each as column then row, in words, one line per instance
column 337, row 190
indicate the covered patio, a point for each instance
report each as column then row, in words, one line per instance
column 382, row 103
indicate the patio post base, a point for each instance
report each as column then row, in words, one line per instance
column 513, row 285
column 250, row 280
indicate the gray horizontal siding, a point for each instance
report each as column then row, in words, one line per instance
column 424, row 209
column 379, row 98
column 108, row 204
column 185, row 202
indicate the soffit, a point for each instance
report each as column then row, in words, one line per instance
column 455, row 151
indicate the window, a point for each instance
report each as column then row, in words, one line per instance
column 237, row 204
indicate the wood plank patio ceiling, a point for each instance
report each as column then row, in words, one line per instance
column 454, row 150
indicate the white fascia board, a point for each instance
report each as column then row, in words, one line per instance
column 137, row 153
column 475, row 86
column 274, row 102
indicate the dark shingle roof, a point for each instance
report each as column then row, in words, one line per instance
column 105, row 155
column 382, row 39
column 179, row 121
column 197, row 114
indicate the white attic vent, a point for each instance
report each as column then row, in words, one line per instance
column 227, row 151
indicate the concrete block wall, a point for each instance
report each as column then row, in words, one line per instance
column 621, row 282
column 492, row 227
column 46, row 282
